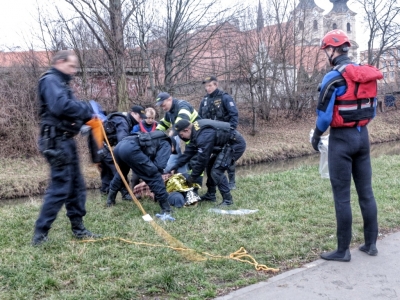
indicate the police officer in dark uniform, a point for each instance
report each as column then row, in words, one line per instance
column 61, row 117
column 147, row 155
column 219, row 105
column 117, row 127
column 347, row 103
column 217, row 148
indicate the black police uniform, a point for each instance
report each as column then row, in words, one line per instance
column 61, row 116
column 123, row 126
column 147, row 155
column 220, row 106
column 216, row 148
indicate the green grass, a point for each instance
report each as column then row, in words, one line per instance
column 295, row 223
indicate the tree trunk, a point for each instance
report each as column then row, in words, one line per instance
column 119, row 58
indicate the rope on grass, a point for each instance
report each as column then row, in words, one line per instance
column 240, row 255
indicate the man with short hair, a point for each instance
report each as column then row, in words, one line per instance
column 61, row 118
column 216, row 147
column 147, row 155
column 219, row 105
column 175, row 110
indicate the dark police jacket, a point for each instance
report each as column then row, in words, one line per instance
column 58, row 106
column 123, row 126
column 219, row 106
column 206, row 134
column 180, row 109
column 156, row 145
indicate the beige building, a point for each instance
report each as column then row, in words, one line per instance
column 312, row 24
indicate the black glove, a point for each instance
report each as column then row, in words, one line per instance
column 190, row 180
column 316, row 138
column 233, row 134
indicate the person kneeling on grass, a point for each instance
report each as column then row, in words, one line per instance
column 217, row 148
column 147, row 155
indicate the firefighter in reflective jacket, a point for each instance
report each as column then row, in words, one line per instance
column 175, row 110
column 216, row 149
column 147, row 155
column 219, row 105
column 347, row 104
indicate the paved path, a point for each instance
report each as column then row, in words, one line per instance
column 364, row 277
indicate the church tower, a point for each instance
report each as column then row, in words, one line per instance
column 309, row 24
column 341, row 17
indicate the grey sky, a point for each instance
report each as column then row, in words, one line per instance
column 18, row 24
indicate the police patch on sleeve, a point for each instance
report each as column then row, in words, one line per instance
column 231, row 103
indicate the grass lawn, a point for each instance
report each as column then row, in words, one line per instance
column 295, row 223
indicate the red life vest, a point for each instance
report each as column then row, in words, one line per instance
column 143, row 129
column 356, row 106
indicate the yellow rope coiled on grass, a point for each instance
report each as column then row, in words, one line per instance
column 240, row 255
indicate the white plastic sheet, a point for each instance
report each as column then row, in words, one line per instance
column 323, row 150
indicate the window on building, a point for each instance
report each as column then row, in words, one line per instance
column 348, row 27
column 398, row 64
column 384, row 74
column 315, row 25
column 391, row 63
column 392, row 75
column 383, row 55
column 383, row 64
column 334, row 26
column 301, row 25
column 398, row 53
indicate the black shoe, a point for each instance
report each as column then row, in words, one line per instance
column 39, row 238
column 226, row 200
column 127, row 197
column 111, row 198
column 334, row 255
column 125, row 194
column 209, row 196
column 371, row 250
column 79, row 230
column 232, row 186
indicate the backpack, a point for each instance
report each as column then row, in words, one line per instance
column 111, row 129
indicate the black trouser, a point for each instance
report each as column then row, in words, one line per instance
column 107, row 172
column 66, row 187
column 349, row 154
column 129, row 156
column 215, row 174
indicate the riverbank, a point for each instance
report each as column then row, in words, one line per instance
column 293, row 224
column 277, row 140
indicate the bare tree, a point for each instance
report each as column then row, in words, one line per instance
column 184, row 32
column 111, row 18
column 382, row 21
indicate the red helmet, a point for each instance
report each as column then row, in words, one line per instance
column 335, row 38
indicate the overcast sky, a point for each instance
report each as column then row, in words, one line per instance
column 18, row 24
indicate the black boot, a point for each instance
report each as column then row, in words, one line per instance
column 337, row 256
column 226, row 199
column 209, row 196
column 111, row 198
column 39, row 238
column 125, row 194
column 370, row 243
column 79, row 230
column 231, row 184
